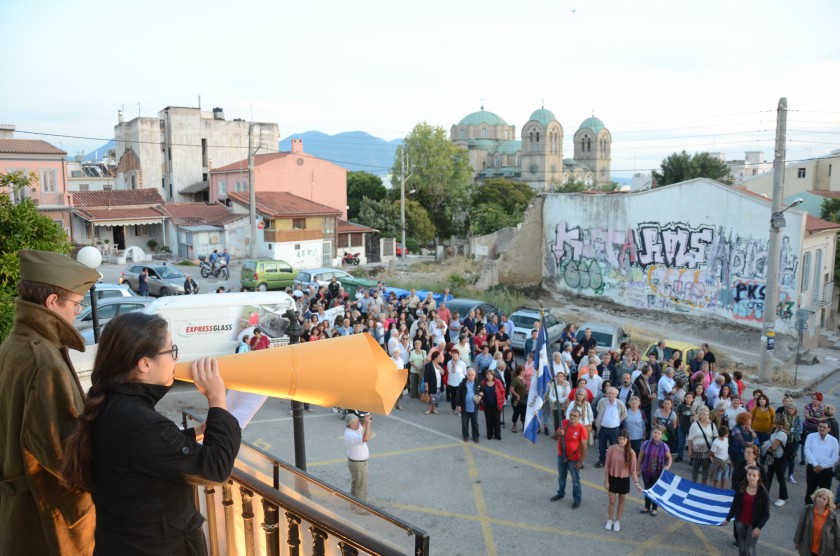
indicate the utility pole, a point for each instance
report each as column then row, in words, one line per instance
column 252, row 195
column 777, row 222
column 402, row 199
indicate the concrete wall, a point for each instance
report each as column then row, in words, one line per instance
column 143, row 136
column 821, row 174
column 696, row 247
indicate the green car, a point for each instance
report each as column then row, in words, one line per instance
column 267, row 274
column 323, row 276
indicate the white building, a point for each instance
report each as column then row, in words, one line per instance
column 813, row 174
column 175, row 150
column 751, row 165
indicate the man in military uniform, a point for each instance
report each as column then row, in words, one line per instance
column 40, row 401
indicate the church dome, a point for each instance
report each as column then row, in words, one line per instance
column 509, row 147
column 543, row 116
column 483, row 117
column 593, row 123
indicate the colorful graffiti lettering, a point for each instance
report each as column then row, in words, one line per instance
column 583, row 275
column 697, row 288
column 674, row 245
column 748, row 302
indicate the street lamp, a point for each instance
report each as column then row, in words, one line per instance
column 777, row 220
column 92, row 258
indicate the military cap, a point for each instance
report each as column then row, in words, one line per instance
column 55, row 269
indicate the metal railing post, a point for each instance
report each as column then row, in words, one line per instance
column 230, row 531
column 210, row 500
column 319, row 538
column 248, row 520
column 293, row 536
column 271, row 526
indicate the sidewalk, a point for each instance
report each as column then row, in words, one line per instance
column 806, row 376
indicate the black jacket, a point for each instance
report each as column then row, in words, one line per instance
column 761, row 507
column 461, row 394
column 144, row 469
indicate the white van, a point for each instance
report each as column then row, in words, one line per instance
column 213, row 324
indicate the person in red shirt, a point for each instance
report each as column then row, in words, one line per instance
column 571, row 449
column 259, row 341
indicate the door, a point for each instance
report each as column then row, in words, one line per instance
column 285, row 274
column 119, row 237
column 270, row 277
column 327, row 253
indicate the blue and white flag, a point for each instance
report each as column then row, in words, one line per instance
column 691, row 501
column 539, row 384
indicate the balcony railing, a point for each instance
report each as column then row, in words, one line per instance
column 823, row 295
column 49, row 199
column 268, row 502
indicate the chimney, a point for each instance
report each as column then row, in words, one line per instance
column 7, row 131
column 120, row 116
column 297, row 145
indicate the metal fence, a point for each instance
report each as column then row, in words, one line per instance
column 270, row 507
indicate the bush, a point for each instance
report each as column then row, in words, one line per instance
column 186, row 262
column 165, row 249
column 152, row 244
column 413, row 246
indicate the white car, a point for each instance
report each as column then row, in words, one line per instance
column 523, row 322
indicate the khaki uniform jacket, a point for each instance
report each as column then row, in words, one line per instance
column 40, row 401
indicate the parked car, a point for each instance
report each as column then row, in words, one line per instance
column 267, row 274
column 107, row 291
column 608, row 336
column 163, row 279
column 400, row 249
column 523, row 322
column 323, row 276
column 108, row 309
column 689, row 351
column 464, row 306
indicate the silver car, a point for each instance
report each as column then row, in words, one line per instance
column 108, row 309
column 523, row 322
column 163, row 279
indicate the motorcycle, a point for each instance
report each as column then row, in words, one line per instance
column 221, row 268
column 350, row 258
column 342, row 413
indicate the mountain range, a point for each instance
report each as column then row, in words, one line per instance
column 353, row 150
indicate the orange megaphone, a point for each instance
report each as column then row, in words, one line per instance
column 349, row 371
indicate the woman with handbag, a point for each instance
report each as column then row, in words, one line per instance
column 492, row 400
column 433, row 381
column 818, row 530
column 700, row 437
column 776, row 462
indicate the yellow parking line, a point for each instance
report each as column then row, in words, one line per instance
column 655, row 541
column 710, row 549
column 616, row 539
column 480, row 503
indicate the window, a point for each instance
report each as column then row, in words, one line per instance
column 270, row 267
column 84, row 187
column 299, row 223
column 518, row 161
column 806, row 271
column 461, row 133
column 343, row 240
column 204, row 153
column 800, row 173
column 496, row 161
column 47, row 181
column 107, row 187
column 223, row 187
column 483, row 133
column 507, row 135
column 829, row 170
column 817, row 270
column 283, row 267
column 141, row 230
column 328, row 225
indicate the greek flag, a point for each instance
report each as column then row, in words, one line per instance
column 691, row 501
column 539, row 384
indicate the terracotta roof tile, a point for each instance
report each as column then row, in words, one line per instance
column 119, row 213
column 28, row 146
column 345, row 227
column 814, row 224
column 281, row 204
column 117, row 198
column 195, row 214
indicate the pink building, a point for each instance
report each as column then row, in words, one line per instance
column 294, row 172
column 48, row 165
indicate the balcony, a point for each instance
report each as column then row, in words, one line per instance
column 49, row 199
column 287, row 236
column 245, row 517
column 823, row 295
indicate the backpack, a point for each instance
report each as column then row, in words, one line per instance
column 789, row 452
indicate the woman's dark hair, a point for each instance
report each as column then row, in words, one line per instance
column 519, row 370
column 745, row 483
column 125, row 340
column 627, row 449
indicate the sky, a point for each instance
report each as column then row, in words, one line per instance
column 662, row 75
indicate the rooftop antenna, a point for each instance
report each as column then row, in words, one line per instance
column 542, row 102
column 138, row 109
column 482, row 102
column 199, row 102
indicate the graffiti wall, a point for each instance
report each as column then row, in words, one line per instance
column 695, row 247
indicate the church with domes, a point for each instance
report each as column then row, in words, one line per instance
column 536, row 157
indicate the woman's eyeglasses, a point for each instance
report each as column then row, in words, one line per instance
column 173, row 352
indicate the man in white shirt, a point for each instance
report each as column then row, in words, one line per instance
column 590, row 358
column 611, row 412
column 507, row 324
column 734, row 410
column 413, row 300
column 463, row 347
column 821, row 453
column 356, row 436
column 594, row 382
column 666, row 386
column 457, row 371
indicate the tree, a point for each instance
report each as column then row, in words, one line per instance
column 571, row 186
column 439, row 173
column 381, row 215
column 830, row 210
column 498, row 203
column 418, row 225
column 682, row 166
column 21, row 227
column 362, row 185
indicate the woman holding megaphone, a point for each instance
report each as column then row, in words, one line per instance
column 138, row 465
